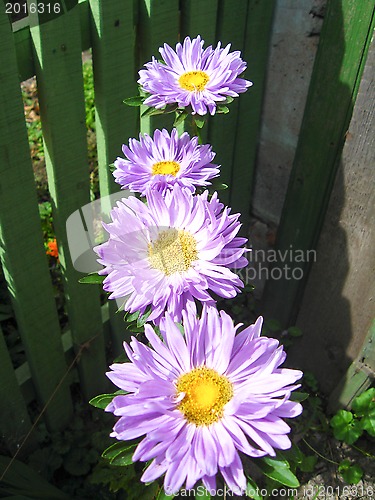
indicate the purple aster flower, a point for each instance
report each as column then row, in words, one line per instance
column 201, row 398
column 191, row 76
column 171, row 251
column 163, row 161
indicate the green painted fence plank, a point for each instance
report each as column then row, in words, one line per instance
column 22, row 40
column 255, row 53
column 14, row 419
column 113, row 50
column 158, row 23
column 21, row 245
column 84, row 16
column 25, row 59
column 200, row 18
column 347, row 31
column 359, row 377
column 231, row 24
column 58, row 65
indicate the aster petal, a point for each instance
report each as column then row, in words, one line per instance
column 193, row 162
column 175, row 418
column 209, row 482
column 181, row 443
column 225, row 446
column 137, row 271
column 148, row 449
column 154, row 470
column 205, row 451
column 176, row 474
column 162, row 80
column 234, row 476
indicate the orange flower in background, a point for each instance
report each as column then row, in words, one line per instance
column 52, row 248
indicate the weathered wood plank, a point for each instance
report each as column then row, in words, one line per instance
column 338, row 307
column 25, row 60
column 200, row 18
column 22, row 41
column 58, row 64
column 246, row 134
column 231, row 27
column 21, row 250
column 359, row 377
column 158, row 24
column 113, row 50
column 346, row 34
column 14, row 420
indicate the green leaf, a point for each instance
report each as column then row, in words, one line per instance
column 120, row 453
column 103, row 400
column 345, row 428
column 297, row 396
column 134, row 101
column 150, row 111
column 130, row 317
column 222, row 110
column 294, row 454
column 216, row 185
column 92, row 279
column 252, row 489
column 365, row 402
column 278, row 470
column 294, row 331
column 163, row 496
column 180, row 117
column 170, row 108
column 228, row 100
column 200, row 122
column 308, row 463
column 141, row 320
column 367, row 422
column 352, row 474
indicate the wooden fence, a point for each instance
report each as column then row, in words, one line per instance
column 123, row 35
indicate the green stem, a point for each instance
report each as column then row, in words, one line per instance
column 319, row 454
column 364, row 452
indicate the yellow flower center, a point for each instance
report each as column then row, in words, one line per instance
column 165, row 168
column 206, row 394
column 194, row 80
column 173, row 251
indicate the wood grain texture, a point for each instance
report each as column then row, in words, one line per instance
column 246, row 133
column 338, row 306
column 114, row 65
column 231, row 28
column 346, row 34
column 14, row 419
column 158, row 23
column 201, row 18
column 21, row 245
column 113, row 49
column 58, row 64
